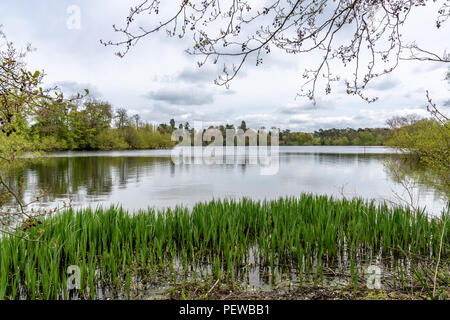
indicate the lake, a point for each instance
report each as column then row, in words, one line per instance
column 142, row 179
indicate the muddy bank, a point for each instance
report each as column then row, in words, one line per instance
column 194, row 292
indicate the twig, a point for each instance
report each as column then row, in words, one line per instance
column 212, row 287
column 439, row 260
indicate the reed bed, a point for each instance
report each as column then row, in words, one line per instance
column 221, row 239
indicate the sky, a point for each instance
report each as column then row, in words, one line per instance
column 158, row 80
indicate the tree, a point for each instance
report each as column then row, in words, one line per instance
column 241, row 30
column 137, row 120
column 172, row 123
column 429, row 140
column 447, row 103
column 397, row 122
column 243, row 126
column 72, row 126
column 122, row 118
column 366, row 138
column 99, row 114
column 21, row 94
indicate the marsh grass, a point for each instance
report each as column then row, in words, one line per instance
column 224, row 240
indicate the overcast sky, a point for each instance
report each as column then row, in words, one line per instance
column 158, row 80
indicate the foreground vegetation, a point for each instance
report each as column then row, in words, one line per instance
column 221, row 243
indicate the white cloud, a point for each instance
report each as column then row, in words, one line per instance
column 176, row 88
column 182, row 96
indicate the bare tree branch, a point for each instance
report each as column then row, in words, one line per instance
column 237, row 30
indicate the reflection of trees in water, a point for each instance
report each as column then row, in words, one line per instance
column 14, row 178
column 404, row 167
column 346, row 158
column 64, row 177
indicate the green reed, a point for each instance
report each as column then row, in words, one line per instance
column 113, row 248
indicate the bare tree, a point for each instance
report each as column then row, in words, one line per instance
column 122, row 118
column 137, row 120
column 238, row 30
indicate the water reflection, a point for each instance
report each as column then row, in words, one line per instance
column 141, row 179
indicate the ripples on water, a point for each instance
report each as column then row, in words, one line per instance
column 141, row 179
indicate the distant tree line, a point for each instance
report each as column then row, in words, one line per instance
column 337, row 137
column 94, row 125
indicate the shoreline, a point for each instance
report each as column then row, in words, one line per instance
column 171, row 148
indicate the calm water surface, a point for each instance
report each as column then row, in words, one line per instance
column 141, row 179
